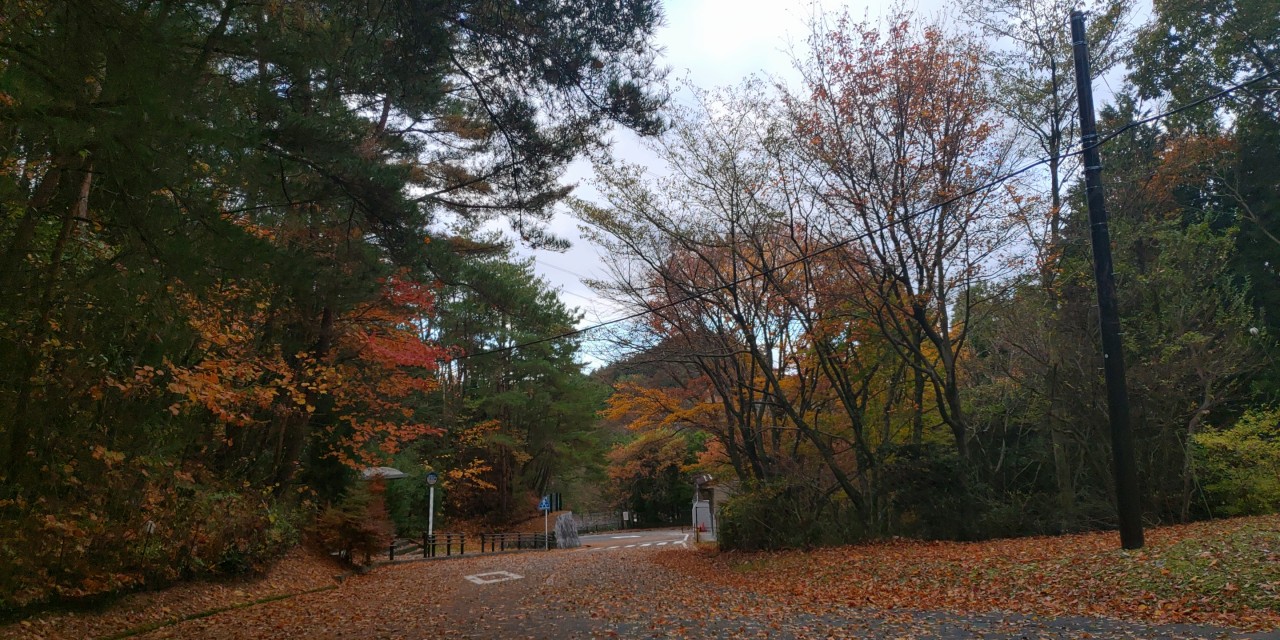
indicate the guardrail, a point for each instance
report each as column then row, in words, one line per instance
column 509, row 541
column 432, row 543
column 446, row 544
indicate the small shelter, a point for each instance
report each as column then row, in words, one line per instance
column 382, row 473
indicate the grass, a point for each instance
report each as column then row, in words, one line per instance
column 1237, row 568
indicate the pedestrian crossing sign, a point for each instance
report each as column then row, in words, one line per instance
column 545, row 505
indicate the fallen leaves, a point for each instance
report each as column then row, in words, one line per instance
column 301, row 570
column 1220, row 572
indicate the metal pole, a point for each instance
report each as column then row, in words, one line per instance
column 431, row 510
column 1126, row 474
column 546, row 538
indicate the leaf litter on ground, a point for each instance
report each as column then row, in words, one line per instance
column 1219, row 572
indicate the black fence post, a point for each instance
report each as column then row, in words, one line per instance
column 391, row 552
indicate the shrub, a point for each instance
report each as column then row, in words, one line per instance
column 1240, row 466
column 932, row 494
column 783, row 514
column 358, row 527
column 92, row 539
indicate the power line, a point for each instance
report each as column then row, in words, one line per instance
column 974, row 191
column 1186, row 107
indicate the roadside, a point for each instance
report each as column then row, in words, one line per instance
column 1223, row 572
column 299, row 571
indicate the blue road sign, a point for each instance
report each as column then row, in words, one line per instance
column 545, row 505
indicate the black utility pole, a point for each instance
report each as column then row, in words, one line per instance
column 1127, row 504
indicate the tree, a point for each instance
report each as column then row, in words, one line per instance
column 898, row 128
column 650, row 477
column 1030, row 62
column 703, row 251
column 521, row 417
column 1193, row 48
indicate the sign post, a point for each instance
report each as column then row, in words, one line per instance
column 545, row 506
column 431, row 503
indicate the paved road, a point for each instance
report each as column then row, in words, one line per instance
column 617, row 591
column 652, row 539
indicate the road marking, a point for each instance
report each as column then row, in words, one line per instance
column 621, row 537
column 492, row 577
column 646, row 544
column 629, row 546
column 661, row 543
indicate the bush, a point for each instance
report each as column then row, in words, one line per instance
column 92, row 539
column 1240, row 466
column 932, row 494
column 784, row 514
column 358, row 527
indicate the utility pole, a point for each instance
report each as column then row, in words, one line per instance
column 1126, row 474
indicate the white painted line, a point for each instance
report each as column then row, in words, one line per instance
column 661, row 543
column 492, row 577
column 621, row 537
column 646, row 544
column 629, row 546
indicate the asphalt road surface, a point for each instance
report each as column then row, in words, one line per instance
column 653, row 539
column 611, row 589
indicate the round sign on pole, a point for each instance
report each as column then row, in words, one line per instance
column 432, row 477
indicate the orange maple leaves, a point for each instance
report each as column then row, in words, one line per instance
column 379, row 362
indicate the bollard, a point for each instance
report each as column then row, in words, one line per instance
column 391, row 552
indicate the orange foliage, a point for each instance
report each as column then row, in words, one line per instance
column 378, row 362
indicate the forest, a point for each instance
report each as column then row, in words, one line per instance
column 250, row 248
